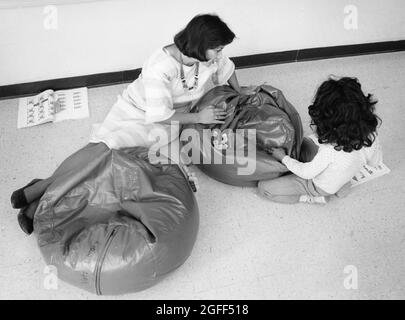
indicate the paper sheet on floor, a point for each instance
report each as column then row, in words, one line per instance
column 368, row 173
column 53, row 106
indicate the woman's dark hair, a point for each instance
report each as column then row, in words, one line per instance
column 343, row 115
column 203, row 32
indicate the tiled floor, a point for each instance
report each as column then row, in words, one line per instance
column 247, row 247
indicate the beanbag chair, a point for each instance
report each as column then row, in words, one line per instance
column 119, row 224
column 231, row 154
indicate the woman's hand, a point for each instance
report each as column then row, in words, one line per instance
column 277, row 153
column 211, row 115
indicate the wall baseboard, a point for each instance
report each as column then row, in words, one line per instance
column 249, row 61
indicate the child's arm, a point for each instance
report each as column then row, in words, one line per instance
column 307, row 170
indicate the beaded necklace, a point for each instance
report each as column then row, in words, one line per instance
column 183, row 80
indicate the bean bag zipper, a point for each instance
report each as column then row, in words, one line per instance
column 101, row 258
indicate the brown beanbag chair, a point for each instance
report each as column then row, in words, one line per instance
column 119, row 224
column 247, row 160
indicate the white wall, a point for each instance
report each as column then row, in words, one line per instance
column 115, row 35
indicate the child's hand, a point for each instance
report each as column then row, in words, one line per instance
column 250, row 90
column 277, row 153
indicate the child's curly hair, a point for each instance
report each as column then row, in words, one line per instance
column 343, row 115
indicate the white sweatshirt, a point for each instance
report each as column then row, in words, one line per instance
column 331, row 169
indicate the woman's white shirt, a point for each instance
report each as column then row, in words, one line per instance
column 159, row 90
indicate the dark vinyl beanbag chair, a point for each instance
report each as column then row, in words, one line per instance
column 246, row 159
column 119, row 224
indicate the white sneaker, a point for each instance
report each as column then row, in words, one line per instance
column 308, row 199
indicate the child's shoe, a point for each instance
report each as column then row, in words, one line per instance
column 191, row 177
column 184, row 165
column 308, row 199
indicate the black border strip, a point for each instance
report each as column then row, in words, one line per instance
column 250, row 61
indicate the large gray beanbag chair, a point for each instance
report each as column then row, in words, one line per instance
column 275, row 121
column 119, row 224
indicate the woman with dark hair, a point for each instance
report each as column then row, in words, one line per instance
column 151, row 109
column 345, row 137
column 172, row 79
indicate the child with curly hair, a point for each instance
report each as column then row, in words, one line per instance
column 345, row 139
